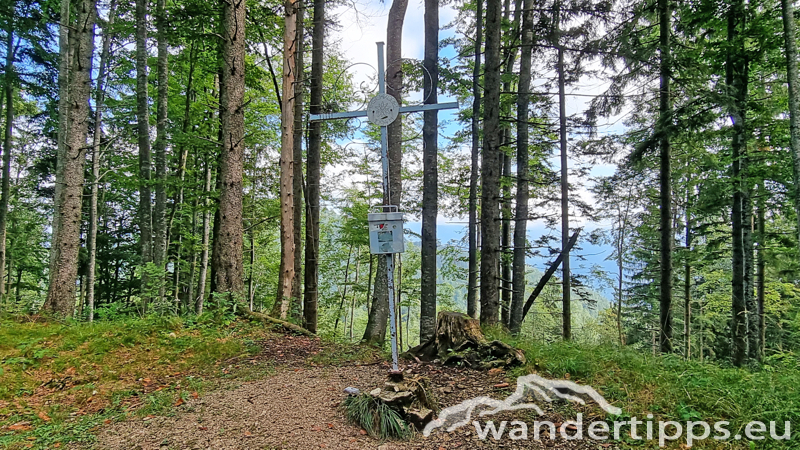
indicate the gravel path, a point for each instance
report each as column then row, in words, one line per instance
column 298, row 408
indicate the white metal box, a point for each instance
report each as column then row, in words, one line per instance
column 386, row 231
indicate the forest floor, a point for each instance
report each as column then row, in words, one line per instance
column 188, row 383
column 298, row 406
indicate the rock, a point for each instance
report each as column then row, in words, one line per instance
column 402, row 398
column 375, row 392
column 419, row 417
column 351, row 391
column 447, row 390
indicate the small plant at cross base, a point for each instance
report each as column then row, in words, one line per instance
column 376, row 417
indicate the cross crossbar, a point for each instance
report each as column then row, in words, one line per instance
column 363, row 113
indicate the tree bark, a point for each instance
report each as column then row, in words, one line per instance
column 472, row 283
column 91, row 244
column 63, row 119
column 566, row 313
column 203, row 276
column 665, row 178
column 227, row 255
column 736, row 79
column 490, row 169
column 287, row 162
column 311, row 273
column 297, row 189
column 523, row 172
column 159, row 210
column 753, row 334
column 687, row 282
column 430, row 175
column 145, row 169
column 7, row 147
column 61, row 291
column 787, row 11
column 761, row 270
column 375, row 332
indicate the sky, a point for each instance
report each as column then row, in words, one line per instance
column 363, row 23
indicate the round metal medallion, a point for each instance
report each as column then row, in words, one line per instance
column 382, row 110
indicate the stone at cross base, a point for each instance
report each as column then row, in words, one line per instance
column 459, row 341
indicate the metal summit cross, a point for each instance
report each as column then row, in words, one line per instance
column 382, row 110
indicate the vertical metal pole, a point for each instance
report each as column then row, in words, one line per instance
column 386, row 201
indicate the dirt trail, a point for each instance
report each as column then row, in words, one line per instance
column 298, row 408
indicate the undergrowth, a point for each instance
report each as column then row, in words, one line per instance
column 59, row 382
column 375, row 417
column 673, row 389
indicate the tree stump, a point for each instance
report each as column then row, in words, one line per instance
column 460, row 341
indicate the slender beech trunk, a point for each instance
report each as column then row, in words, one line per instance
column 787, row 11
column 490, row 169
column 523, row 172
column 7, row 147
column 687, row 282
column 430, row 175
column 227, row 254
column 566, row 313
column 91, row 244
column 297, row 188
column 202, row 277
column 311, row 273
column 375, row 332
column 343, row 291
column 143, row 131
column 159, row 210
column 472, row 283
column 736, row 78
column 61, row 290
column 760, row 270
column 748, row 222
column 665, row 178
column 251, row 286
column 505, row 237
column 287, row 163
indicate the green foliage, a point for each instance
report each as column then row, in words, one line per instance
column 376, row 417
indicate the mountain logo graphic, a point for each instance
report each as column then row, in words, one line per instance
column 454, row 417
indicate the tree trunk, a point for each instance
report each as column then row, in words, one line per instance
column 201, row 283
column 665, row 178
column 91, row 244
column 687, row 283
column 472, row 283
column 63, row 119
column 7, row 147
column 736, row 78
column 566, row 314
column 523, row 172
column 787, row 11
column 143, row 130
column 430, row 175
column 761, row 269
column 505, row 237
column 227, row 254
column 287, row 162
column 311, row 273
column 159, row 210
column 61, row 291
column 297, row 189
column 490, row 169
column 375, row 333
column 753, row 334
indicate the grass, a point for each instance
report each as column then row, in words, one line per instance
column 60, row 381
column 672, row 389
